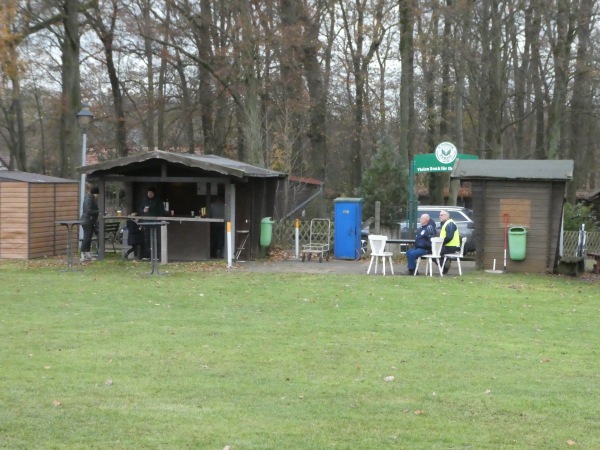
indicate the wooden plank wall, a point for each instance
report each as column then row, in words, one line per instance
column 14, row 220
column 65, row 206
column 27, row 215
column 535, row 205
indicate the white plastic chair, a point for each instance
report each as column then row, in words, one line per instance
column 436, row 250
column 457, row 255
column 377, row 244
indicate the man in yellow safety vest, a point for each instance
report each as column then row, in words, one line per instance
column 450, row 235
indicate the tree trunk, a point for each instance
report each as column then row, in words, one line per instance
column 561, row 50
column 150, row 121
column 186, row 108
column 68, row 137
column 204, row 78
column 106, row 36
column 581, row 103
column 318, row 99
column 407, row 89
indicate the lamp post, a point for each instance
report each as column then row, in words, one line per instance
column 84, row 120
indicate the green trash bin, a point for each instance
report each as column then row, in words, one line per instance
column 517, row 243
column 266, row 231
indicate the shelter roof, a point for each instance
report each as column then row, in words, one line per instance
column 211, row 163
column 27, row 177
column 306, row 180
column 4, row 160
column 594, row 194
column 511, row 169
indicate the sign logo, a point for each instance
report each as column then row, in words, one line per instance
column 446, row 152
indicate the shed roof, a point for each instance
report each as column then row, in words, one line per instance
column 27, row 177
column 594, row 194
column 212, row 163
column 512, row 169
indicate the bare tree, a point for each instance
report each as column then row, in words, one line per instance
column 106, row 34
column 358, row 35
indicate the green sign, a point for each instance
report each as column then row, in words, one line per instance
column 441, row 161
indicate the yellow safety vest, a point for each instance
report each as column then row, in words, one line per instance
column 455, row 242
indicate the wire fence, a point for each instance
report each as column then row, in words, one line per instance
column 284, row 236
column 570, row 242
column 284, row 232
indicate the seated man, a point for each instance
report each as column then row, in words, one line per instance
column 451, row 237
column 422, row 242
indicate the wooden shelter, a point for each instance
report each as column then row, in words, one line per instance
column 29, row 205
column 187, row 184
column 532, row 194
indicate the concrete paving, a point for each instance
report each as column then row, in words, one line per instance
column 337, row 266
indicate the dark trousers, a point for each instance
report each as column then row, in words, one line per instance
column 136, row 249
column 446, row 250
column 217, row 239
column 88, row 233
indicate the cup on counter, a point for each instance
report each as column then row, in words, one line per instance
column 193, row 213
column 146, row 209
column 172, row 212
column 119, row 212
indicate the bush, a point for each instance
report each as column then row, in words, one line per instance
column 578, row 214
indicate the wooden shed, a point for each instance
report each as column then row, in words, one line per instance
column 29, row 205
column 531, row 193
column 187, row 183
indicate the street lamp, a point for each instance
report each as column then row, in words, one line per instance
column 84, row 120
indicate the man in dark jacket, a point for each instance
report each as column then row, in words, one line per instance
column 89, row 217
column 422, row 242
column 152, row 206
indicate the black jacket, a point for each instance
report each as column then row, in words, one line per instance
column 424, row 235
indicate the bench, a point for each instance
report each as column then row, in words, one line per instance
column 571, row 265
column 596, row 257
column 111, row 234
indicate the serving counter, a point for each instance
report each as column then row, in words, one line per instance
column 184, row 239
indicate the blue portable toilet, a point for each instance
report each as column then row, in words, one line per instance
column 347, row 222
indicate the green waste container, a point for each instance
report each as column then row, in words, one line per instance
column 517, row 243
column 266, row 231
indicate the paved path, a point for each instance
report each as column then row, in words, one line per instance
column 335, row 266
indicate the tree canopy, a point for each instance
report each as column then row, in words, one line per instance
column 307, row 86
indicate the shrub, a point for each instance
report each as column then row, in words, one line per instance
column 578, row 214
column 385, row 181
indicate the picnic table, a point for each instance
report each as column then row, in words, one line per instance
column 404, row 243
column 153, row 226
column 69, row 224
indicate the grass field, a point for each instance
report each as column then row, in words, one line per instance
column 207, row 358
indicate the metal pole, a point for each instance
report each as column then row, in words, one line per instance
column 412, row 210
column 229, row 247
column 297, row 225
column 82, row 185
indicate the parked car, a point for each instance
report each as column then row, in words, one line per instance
column 463, row 217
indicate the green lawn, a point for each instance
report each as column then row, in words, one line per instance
column 206, row 357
